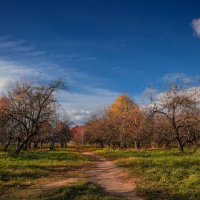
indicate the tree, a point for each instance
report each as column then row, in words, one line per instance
column 178, row 108
column 122, row 104
column 119, row 126
column 162, row 132
column 131, row 125
column 63, row 133
column 129, row 117
column 30, row 106
column 6, row 128
column 95, row 132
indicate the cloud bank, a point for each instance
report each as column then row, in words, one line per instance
column 196, row 26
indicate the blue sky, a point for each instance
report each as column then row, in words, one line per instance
column 102, row 48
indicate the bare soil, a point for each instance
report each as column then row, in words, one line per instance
column 110, row 177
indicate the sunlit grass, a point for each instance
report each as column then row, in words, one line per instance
column 23, row 176
column 30, row 167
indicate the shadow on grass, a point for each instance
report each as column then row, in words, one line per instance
column 48, row 155
column 36, row 171
column 7, row 176
column 56, row 168
column 163, row 194
column 115, row 154
column 80, row 191
column 31, row 165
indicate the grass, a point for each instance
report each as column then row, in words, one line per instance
column 31, row 168
column 161, row 174
column 79, row 191
column 24, row 176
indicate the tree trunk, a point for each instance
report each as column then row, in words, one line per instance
column 25, row 147
column 29, row 145
column 51, row 146
column 41, row 142
column 18, row 142
column 62, row 144
column 102, row 144
column 24, row 143
column 35, row 145
column 166, row 144
column 125, row 145
column 180, row 146
column 119, row 144
column 6, row 146
column 137, row 145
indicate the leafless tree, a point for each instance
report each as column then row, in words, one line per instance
column 30, row 106
column 178, row 107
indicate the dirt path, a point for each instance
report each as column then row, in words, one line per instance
column 111, row 178
column 102, row 172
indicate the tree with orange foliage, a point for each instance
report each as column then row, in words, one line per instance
column 122, row 125
column 131, row 121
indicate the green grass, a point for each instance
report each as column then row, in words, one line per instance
column 161, row 174
column 31, row 167
column 79, row 191
column 22, row 177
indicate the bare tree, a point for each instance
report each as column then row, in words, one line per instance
column 63, row 134
column 178, row 107
column 30, row 106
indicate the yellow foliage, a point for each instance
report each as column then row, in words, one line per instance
column 122, row 104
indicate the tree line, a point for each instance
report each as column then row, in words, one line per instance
column 171, row 118
column 29, row 116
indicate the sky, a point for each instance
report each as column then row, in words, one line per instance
column 102, row 48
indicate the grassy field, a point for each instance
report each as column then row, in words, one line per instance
column 25, row 176
column 161, row 174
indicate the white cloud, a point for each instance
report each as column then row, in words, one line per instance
column 87, row 94
column 6, row 43
column 78, row 105
column 10, row 71
column 196, row 26
column 3, row 84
